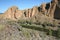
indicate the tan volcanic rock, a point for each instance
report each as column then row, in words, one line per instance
column 10, row 13
column 19, row 14
column 34, row 11
column 13, row 13
column 47, row 10
column 43, row 9
column 52, row 8
column 30, row 13
column 26, row 13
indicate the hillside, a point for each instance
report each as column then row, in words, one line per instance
column 22, row 30
column 37, row 23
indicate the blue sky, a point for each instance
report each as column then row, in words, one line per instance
column 21, row 4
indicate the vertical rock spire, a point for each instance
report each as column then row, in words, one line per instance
column 52, row 8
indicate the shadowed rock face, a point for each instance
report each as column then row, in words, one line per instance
column 55, row 8
column 57, row 13
column 48, row 10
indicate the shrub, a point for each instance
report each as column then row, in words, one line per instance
column 1, row 26
column 50, row 32
column 58, row 32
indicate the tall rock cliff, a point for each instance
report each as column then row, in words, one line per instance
column 46, row 10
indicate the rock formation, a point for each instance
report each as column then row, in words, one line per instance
column 13, row 13
column 48, row 10
column 52, row 8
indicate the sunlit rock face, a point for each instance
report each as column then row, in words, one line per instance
column 13, row 13
column 10, row 13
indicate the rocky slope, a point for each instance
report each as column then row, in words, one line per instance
column 13, row 31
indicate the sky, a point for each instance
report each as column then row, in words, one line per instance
column 21, row 4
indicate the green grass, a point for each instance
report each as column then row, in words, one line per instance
column 1, row 26
column 26, row 33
